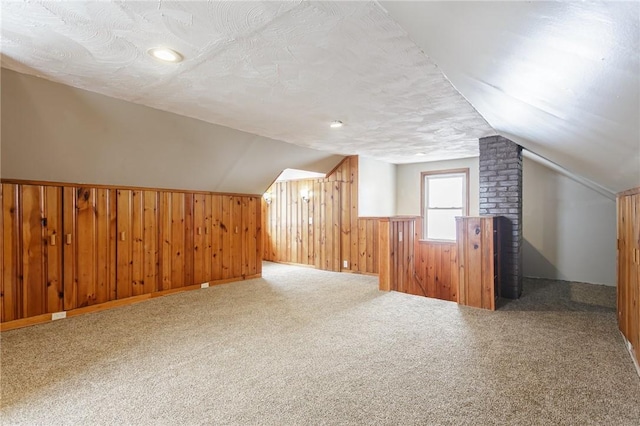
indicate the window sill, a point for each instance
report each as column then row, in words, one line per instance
column 430, row 241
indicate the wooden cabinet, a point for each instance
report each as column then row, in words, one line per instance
column 251, row 236
column 89, row 246
column 176, row 225
column 629, row 268
column 31, row 251
column 66, row 247
column 137, row 243
column 236, row 246
column 478, row 241
column 11, row 258
column 202, row 257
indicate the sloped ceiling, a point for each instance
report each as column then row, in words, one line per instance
column 283, row 70
column 559, row 78
column 57, row 133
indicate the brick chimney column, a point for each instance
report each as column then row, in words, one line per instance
column 501, row 195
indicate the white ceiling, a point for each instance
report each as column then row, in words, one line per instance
column 559, row 78
column 283, row 70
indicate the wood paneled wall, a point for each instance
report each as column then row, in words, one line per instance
column 90, row 246
column 414, row 266
column 628, row 204
column 436, row 268
column 478, row 261
column 67, row 247
column 325, row 231
column 397, row 248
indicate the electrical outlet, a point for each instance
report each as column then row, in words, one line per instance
column 400, row 236
column 345, row 263
column 310, row 221
column 204, row 285
column 58, row 315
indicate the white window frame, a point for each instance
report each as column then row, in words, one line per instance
column 424, row 196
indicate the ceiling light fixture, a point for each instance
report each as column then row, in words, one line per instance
column 336, row 124
column 165, row 54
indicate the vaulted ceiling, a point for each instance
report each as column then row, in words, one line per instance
column 412, row 81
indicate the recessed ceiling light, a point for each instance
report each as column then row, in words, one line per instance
column 335, row 124
column 165, row 54
column 420, row 154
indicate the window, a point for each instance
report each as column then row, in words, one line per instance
column 444, row 196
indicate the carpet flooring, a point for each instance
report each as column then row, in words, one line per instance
column 301, row 346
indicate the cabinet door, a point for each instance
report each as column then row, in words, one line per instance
column 236, row 236
column 10, row 291
column 177, row 239
column 137, row 243
column 202, row 238
column 249, row 237
column 31, row 253
column 226, row 231
column 89, row 246
column 216, row 236
column 41, row 255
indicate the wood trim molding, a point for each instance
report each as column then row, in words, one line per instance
column 40, row 319
column 123, row 187
column 335, row 169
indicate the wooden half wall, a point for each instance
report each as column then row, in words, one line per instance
column 411, row 265
column 325, row 231
column 72, row 247
column 628, row 205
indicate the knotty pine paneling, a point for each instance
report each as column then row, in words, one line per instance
column 325, row 231
column 478, row 266
column 226, row 233
column 216, row 236
column 436, row 269
column 177, row 243
column 628, row 206
column 41, row 224
column 236, row 204
column 396, row 255
column 67, row 247
column 251, row 239
column 31, row 251
column 202, row 238
column 10, row 290
column 89, row 246
column 137, row 243
column 367, row 255
column 409, row 265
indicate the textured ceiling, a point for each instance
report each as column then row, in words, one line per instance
column 278, row 69
column 560, row 78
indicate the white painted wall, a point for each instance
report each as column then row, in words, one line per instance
column 408, row 181
column 569, row 230
column 53, row 132
column 376, row 188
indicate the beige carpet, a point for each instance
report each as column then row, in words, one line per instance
column 301, row 346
